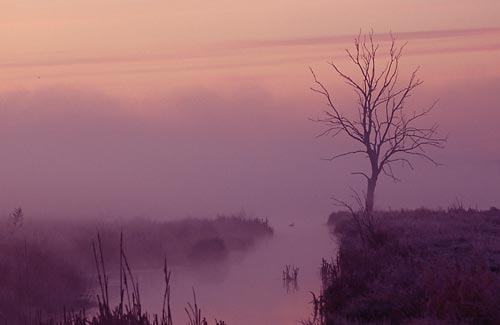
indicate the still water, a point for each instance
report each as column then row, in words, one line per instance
column 248, row 288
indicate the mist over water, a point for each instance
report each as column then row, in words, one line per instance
column 248, row 287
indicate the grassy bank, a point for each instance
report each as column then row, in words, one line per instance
column 49, row 266
column 419, row 267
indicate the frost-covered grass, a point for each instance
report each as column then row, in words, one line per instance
column 425, row 267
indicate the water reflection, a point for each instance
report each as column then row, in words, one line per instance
column 290, row 278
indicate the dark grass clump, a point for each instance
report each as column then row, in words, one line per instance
column 420, row 267
column 33, row 281
column 208, row 250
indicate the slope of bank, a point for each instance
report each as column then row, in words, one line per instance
column 420, row 266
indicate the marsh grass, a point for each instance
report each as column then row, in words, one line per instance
column 129, row 310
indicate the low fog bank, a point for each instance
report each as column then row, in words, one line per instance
column 78, row 153
column 70, row 153
column 147, row 242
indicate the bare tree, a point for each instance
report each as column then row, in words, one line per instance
column 384, row 128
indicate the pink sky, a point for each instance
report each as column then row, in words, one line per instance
column 174, row 108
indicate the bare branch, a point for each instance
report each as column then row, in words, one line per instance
column 360, row 173
column 344, row 154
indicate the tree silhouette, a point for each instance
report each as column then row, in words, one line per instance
column 384, row 128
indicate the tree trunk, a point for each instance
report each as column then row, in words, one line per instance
column 370, row 195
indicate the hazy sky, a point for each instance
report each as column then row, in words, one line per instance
column 175, row 108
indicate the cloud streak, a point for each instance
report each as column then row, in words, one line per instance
column 255, row 52
column 341, row 39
